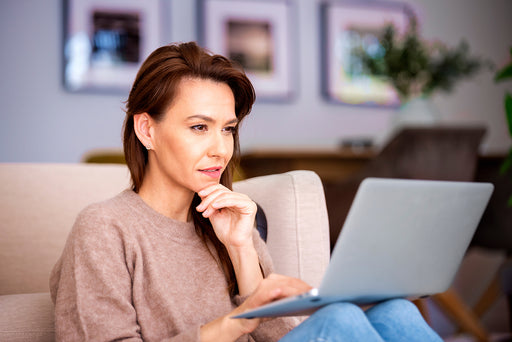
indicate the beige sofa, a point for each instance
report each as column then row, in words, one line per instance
column 39, row 202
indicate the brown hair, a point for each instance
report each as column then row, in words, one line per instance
column 153, row 91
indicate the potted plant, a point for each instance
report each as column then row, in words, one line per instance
column 417, row 67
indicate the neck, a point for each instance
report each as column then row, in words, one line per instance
column 170, row 201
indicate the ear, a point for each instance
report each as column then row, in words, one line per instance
column 142, row 125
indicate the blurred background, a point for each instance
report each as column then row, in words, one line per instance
column 43, row 122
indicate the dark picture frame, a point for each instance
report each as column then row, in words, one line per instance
column 256, row 34
column 346, row 26
column 105, row 42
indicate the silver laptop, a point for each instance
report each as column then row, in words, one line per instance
column 401, row 239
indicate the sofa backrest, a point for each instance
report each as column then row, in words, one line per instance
column 298, row 225
column 38, row 206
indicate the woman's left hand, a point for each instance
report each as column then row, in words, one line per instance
column 232, row 215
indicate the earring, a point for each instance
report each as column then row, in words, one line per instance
column 148, row 147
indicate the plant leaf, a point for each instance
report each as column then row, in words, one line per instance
column 505, row 166
column 504, row 73
column 507, row 163
column 508, row 111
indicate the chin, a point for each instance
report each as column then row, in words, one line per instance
column 204, row 184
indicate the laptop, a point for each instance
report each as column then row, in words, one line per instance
column 401, row 239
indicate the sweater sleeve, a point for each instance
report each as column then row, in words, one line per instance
column 91, row 284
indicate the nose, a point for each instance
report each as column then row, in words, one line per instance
column 221, row 145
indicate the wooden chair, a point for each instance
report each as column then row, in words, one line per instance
column 438, row 153
column 495, row 232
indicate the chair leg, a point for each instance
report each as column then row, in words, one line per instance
column 489, row 297
column 509, row 300
column 506, row 284
column 462, row 314
column 421, row 304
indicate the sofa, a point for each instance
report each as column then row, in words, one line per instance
column 39, row 203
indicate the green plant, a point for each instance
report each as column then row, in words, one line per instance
column 505, row 73
column 415, row 66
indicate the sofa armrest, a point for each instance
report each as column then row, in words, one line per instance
column 27, row 317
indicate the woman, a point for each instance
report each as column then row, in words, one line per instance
column 176, row 256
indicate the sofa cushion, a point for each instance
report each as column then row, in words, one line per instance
column 27, row 317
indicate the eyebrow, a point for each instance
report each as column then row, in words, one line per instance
column 210, row 119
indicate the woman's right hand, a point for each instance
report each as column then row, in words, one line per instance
column 272, row 288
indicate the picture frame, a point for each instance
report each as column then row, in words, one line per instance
column 106, row 41
column 345, row 26
column 255, row 34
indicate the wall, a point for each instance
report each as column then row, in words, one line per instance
column 41, row 122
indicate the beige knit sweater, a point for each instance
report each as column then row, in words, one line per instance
column 129, row 273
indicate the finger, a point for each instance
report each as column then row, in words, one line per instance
column 207, row 206
column 208, row 190
column 290, row 291
column 289, row 286
column 220, row 199
column 241, row 204
column 207, row 200
column 276, row 287
column 232, row 204
column 263, row 295
column 238, row 205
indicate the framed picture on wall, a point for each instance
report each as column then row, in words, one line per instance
column 256, row 34
column 348, row 26
column 105, row 42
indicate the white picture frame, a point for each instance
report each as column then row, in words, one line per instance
column 255, row 33
column 344, row 24
column 106, row 41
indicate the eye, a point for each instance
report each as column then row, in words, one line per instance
column 230, row 129
column 199, row 128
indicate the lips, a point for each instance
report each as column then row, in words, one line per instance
column 213, row 172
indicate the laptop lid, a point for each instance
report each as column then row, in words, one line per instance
column 403, row 238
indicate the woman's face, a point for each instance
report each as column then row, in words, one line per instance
column 194, row 142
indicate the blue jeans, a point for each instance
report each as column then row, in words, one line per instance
column 394, row 320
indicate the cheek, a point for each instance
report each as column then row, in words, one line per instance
column 231, row 148
column 179, row 149
column 189, row 151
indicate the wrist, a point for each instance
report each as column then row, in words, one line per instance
column 241, row 250
column 246, row 264
column 222, row 329
column 243, row 258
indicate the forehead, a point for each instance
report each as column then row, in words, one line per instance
column 203, row 96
